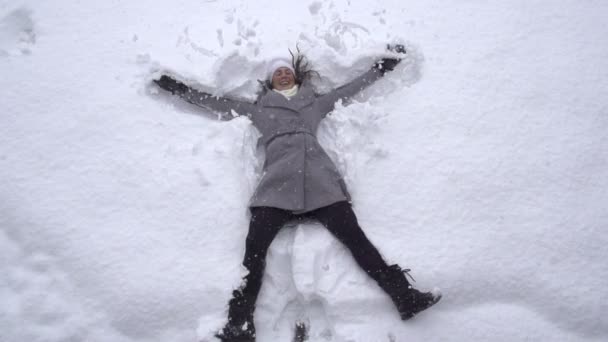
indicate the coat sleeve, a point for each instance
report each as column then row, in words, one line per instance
column 350, row 89
column 225, row 107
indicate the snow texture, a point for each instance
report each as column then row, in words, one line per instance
column 480, row 163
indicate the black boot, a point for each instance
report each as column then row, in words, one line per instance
column 240, row 327
column 408, row 300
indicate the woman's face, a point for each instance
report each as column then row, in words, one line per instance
column 283, row 78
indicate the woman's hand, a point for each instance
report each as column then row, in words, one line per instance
column 388, row 64
column 169, row 84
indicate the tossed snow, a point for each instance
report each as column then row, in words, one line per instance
column 481, row 163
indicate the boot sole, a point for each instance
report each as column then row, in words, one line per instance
column 409, row 315
column 235, row 339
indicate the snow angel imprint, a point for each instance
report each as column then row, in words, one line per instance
column 300, row 181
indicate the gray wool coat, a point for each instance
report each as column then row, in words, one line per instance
column 298, row 175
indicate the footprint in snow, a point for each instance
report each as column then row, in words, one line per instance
column 16, row 33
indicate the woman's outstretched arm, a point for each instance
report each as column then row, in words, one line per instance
column 363, row 81
column 227, row 108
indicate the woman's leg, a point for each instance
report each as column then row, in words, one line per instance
column 341, row 221
column 264, row 225
column 263, row 228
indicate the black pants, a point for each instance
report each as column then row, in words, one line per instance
column 338, row 218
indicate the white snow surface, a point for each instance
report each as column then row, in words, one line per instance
column 481, row 163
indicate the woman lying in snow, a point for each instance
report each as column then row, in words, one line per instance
column 300, row 182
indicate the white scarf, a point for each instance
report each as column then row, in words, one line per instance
column 288, row 93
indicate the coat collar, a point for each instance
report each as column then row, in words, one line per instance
column 303, row 98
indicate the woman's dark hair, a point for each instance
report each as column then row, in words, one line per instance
column 301, row 66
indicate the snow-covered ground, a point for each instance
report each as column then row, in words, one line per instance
column 481, row 163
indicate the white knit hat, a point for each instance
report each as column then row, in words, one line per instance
column 276, row 63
